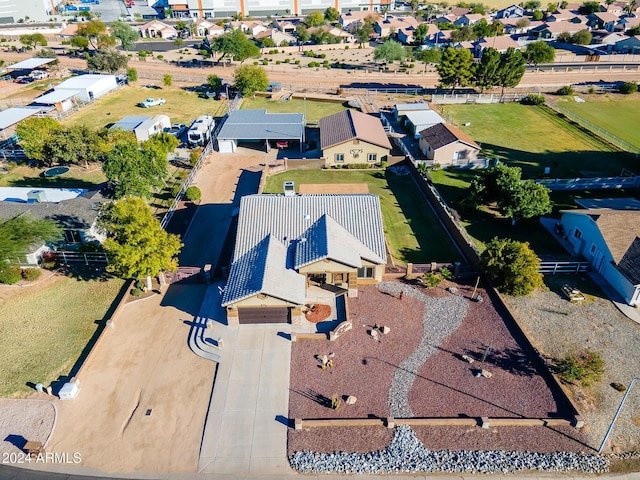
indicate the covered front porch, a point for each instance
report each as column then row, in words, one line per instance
column 326, row 295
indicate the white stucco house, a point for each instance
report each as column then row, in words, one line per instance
column 607, row 233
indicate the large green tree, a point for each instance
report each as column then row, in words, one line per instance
column 389, row 52
column 250, row 79
column 420, row 33
column 34, row 133
column 33, row 39
column 95, row 31
column 511, row 69
column 512, row 266
column 314, row 19
column 107, row 61
column 487, row 72
column 302, row 33
column 539, row 52
column 456, row 68
column 236, row 45
column 126, row 35
column 364, row 31
column 136, row 245
column 331, row 14
column 77, row 144
column 20, row 232
column 133, row 171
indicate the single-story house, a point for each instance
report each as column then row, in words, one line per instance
column 469, row 19
column 75, row 209
column 258, row 126
column 447, row 145
column 353, row 137
column 287, row 245
column 420, row 120
column 400, row 109
column 277, row 36
column 607, row 234
column 551, row 31
column 204, row 27
column 627, row 23
column 88, row 87
column 352, row 19
column 501, row 44
column 143, row 126
column 157, row 29
column 390, row 24
column 603, row 20
column 510, row 12
column 288, row 25
column 249, row 27
column 628, row 45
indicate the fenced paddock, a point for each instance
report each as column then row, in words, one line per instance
column 457, row 98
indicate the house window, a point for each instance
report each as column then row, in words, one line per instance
column 339, row 158
column 365, row 272
column 338, row 277
column 72, row 236
column 372, row 157
column 577, row 233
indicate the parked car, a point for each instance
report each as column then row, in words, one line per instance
column 39, row 74
column 25, row 80
column 152, row 102
column 177, row 129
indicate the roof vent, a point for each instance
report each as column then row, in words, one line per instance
column 289, row 188
column 307, row 216
column 303, row 240
column 36, row 196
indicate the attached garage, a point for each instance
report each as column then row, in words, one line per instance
column 264, row 315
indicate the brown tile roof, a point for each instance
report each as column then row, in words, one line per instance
column 441, row 134
column 500, row 43
column 348, row 125
column 621, row 231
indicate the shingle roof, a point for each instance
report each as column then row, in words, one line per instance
column 260, row 125
column 348, row 125
column 327, row 239
column 288, row 218
column 263, row 269
column 442, row 134
column 621, row 232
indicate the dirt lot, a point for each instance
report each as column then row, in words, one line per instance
column 444, row 386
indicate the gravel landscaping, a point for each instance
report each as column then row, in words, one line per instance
column 22, row 420
column 417, row 369
column 558, row 327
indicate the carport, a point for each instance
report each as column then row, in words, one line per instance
column 260, row 126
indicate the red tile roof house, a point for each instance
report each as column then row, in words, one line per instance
column 445, row 145
column 607, row 234
column 351, row 137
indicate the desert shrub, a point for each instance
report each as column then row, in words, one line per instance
column 446, row 273
column 194, row 156
column 566, row 90
column 192, row 194
column 278, row 62
column 10, row 274
column 265, row 62
column 336, row 401
column 139, row 284
column 136, row 292
column 584, row 367
column 532, row 99
column 357, row 166
column 431, row 279
column 287, row 60
column 628, row 88
column 31, row 274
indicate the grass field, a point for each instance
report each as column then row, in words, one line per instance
column 412, row 229
column 615, row 114
column 534, row 138
column 182, row 106
column 43, row 333
column 77, row 177
column 315, row 110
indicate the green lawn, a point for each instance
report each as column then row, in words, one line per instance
column 182, row 106
column 615, row 114
column 413, row 232
column 315, row 110
column 534, row 138
column 43, row 333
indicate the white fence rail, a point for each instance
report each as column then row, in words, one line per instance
column 456, row 98
column 564, row 267
column 590, row 183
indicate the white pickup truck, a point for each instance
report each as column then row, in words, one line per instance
column 152, row 102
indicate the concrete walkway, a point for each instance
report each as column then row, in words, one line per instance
column 246, row 427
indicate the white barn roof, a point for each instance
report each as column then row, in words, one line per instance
column 30, row 64
column 82, row 82
column 55, row 97
column 11, row 116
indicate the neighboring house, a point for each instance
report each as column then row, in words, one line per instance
column 447, row 145
column 469, row 19
column 88, row 87
column 608, row 235
column 419, row 120
column 69, row 31
column 448, row 18
column 75, row 210
column 459, row 11
column 288, row 245
column 626, row 23
column 400, row 110
column 513, row 11
column 157, row 29
column 142, row 125
column 205, row 27
column 352, row 19
column 501, row 43
column 628, row 45
column 390, row 25
column 353, row 137
column 551, row 31
column 343, row 35
column 249, row 27
column 277, row 36
column 603, row 21
column 288, row 25
column 605, row 41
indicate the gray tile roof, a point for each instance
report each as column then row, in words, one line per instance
column 441, row 135
column 327, row 239
column 74, row 214
column 260, row 125
column 348, row 125
column 263, row 269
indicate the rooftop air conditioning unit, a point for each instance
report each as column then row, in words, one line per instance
column 289, row 188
